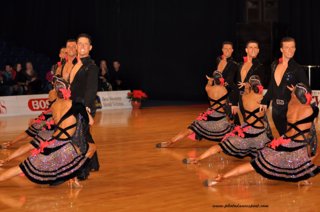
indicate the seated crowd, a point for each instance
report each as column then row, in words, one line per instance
column 19, row 80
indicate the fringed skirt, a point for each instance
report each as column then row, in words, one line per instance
column 38, row 124
column 247, row 142
column 211, row 125
column 289, row 162
column 56, row 163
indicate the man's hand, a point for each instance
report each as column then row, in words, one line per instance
column 241, row 84
column 291, row 87
column 234, row 109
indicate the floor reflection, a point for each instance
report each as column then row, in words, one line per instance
column 113, row 117
column 56, row 199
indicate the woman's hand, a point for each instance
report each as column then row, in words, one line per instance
column 241, row 84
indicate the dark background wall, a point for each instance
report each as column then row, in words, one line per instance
column 166, row 47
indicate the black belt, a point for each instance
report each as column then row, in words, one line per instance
column 280, row 102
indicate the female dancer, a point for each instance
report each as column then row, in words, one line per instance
column 213, row 124
column 251, row 136
column 57, row 159
column 286, row 158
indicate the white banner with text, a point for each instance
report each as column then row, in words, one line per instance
column 34, row 104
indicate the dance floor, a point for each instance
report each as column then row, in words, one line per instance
column 136, row 176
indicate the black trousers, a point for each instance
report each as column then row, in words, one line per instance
column 93, row 164
column 279, row 116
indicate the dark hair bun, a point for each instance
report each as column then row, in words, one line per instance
column 300, row 91
column 217, row 75
column 255, row 83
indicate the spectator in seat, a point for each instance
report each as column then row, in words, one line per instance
column 118, row 82
column 33, row 82
column 104, row 77
column 20, row 80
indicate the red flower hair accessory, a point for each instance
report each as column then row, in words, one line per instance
column 280, row 60
column 308, row 97
column 221, row 81
column 65, row 92
column 260, row 87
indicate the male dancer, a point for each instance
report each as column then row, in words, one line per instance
column 286, row 73
column 70, row 60
column 229, row 68
column 84, row 86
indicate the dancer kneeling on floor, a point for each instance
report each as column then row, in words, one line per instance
column 248, row 139
column 59, row 158
column 287, row 158
column 212, row 124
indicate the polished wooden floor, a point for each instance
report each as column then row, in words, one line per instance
column 135, row 176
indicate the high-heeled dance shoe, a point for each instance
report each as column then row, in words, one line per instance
column 163, row 144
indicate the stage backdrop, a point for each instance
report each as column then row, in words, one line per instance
column 165, row 47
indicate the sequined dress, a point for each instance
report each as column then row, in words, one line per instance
column 212, row 124
column 248, row 139
column 57, row 159
column 289, row 161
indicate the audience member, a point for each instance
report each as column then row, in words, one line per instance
column 33, row 82
column 104, row 77
column 118, row 82
column 20, row 81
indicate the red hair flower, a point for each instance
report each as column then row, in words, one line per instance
column 280, row 60
column 308, row 97
column 260, row 87
column 221, row 81
column 65, row 92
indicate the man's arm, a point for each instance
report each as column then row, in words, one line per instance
column 92, row 85
column 301, row 76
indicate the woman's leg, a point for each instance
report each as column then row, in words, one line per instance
column 20, row 137
column 91, row 150
column 178, row 137
column 212, row 151
column 22, row 150
column 12, row 172
column 237, row 171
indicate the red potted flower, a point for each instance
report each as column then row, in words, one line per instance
column 136, row 96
